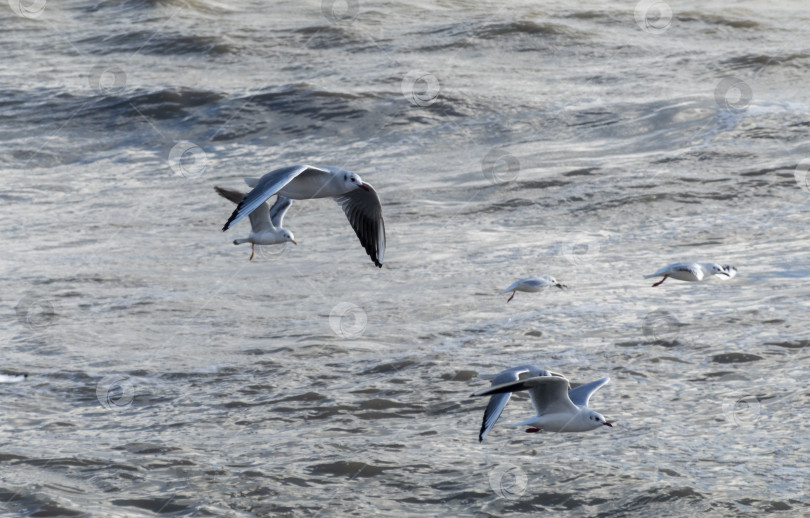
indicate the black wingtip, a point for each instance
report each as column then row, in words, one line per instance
column 233, row 216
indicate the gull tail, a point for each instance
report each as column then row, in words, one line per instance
column 651, row 276
column 240, row 241
column 510, row 288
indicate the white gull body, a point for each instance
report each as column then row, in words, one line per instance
column 558, row 407
column 265, row 222
column 359, row 200
column 532, row 285
column 693, row 272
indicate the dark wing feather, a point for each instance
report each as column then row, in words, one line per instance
column 364, row 212
column 259, row 219
column 234, row 196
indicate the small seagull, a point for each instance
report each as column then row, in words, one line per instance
column 265, row 222
column 559, row 407
column 359, row 200
column 532, row 285
column 693, row 272
column 12, row 378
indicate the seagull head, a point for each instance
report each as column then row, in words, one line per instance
column 716, row 269
column 596, row 419
column 289, row 237
column 352, row 180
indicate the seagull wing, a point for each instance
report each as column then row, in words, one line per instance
column 278, row 210
column 265, row 187
column 364, row 211
column 498, row 401
column 549, row 393
column 581, row 394
column 259, row 219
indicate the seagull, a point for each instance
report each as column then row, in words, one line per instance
column 359, row 200
column 693, row 272
column 532, row 285
column 12, row 378
column 559, row 407
column 265, row 223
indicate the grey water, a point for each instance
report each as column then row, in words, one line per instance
column 593, row 141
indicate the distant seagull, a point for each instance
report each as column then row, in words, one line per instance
column 358, row 200
column 532, row 285
column 559, row 408
column 693, row 272
column 265, row 223
column 12, row 378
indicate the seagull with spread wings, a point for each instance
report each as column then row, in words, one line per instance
column 359, row 200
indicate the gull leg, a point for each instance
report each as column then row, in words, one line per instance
column 659, row 282
column 252, row 251
column 510, row 298
column 532, row 430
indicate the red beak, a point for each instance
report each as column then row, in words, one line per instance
column 607, row 424
column 363, row 186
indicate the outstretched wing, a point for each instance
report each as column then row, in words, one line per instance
column 266, row 186
column 259, row 219
column 581, row 394
column 278, row 210
column 364, row 211
column 498, row 401
column 549, row 393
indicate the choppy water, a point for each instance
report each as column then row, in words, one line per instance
column 594, row 142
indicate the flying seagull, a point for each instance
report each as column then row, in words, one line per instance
column 265, row 223
column 532, row 285
column 693, row 272
column 359, row 200
column 559, row 408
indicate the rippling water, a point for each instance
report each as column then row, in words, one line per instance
column 596, row 142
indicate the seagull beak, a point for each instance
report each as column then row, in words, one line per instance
column 561, row 286
column 607, row 424
column 363, row 186
column 724, row 273
column 293, row 241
